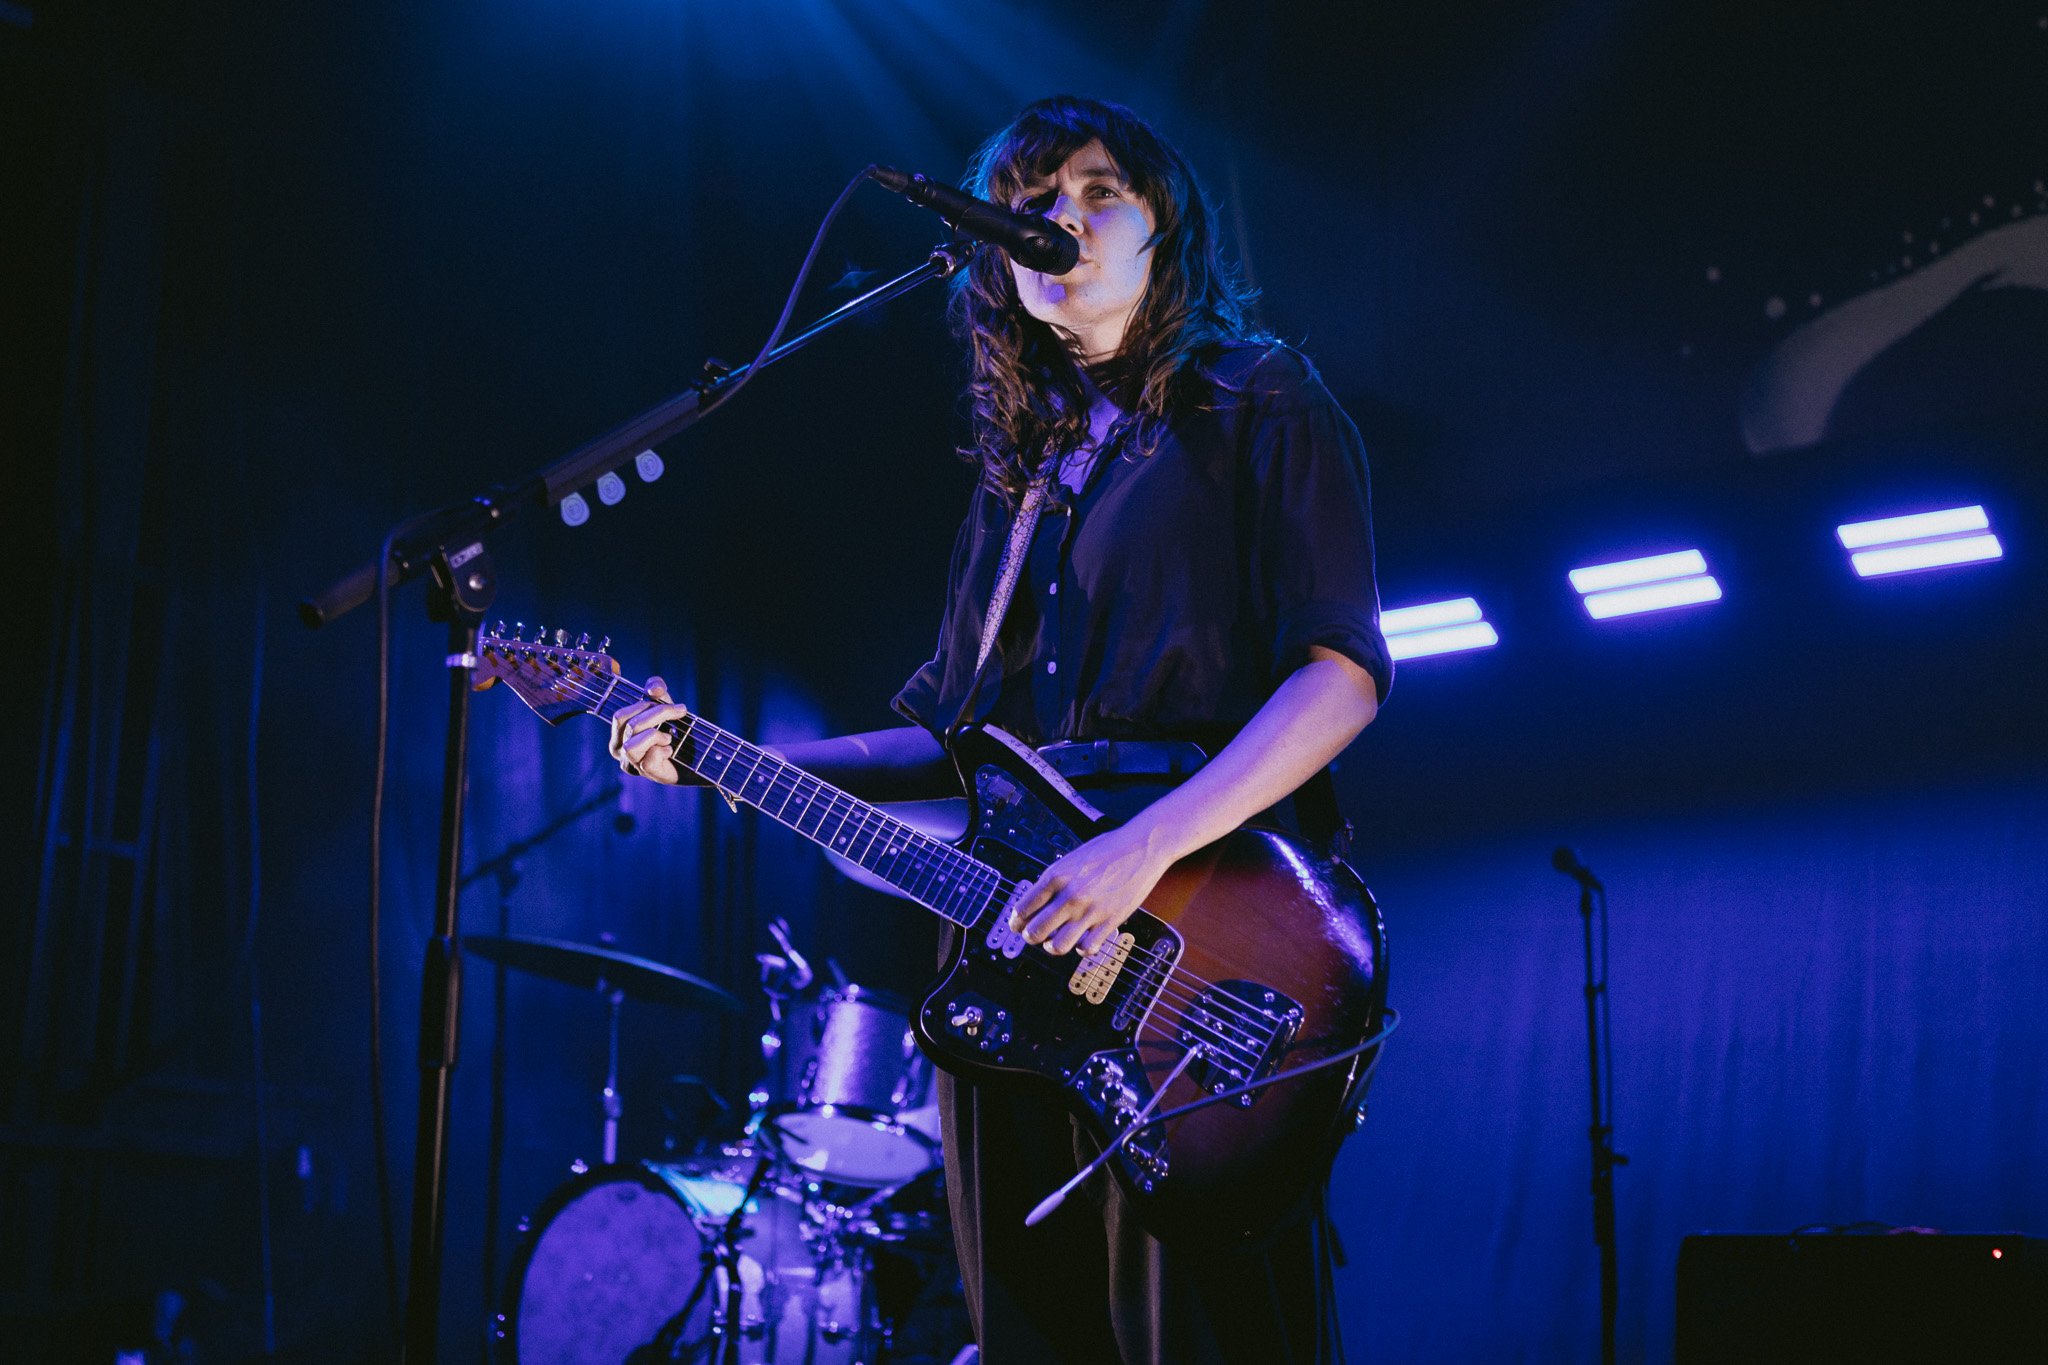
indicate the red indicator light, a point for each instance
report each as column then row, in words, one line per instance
column 1997, row 1255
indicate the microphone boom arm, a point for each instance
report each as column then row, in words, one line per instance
column 458, row 525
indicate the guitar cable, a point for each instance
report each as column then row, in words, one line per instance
column 1390, row 1020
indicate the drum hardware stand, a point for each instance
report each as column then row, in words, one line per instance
column 726, row 1324
column 614, row 1106
column 450, row 543
column 782, row 975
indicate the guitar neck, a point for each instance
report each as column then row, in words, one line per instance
column 929, row 871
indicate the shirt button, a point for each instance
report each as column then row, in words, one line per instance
column 1052, row 590
column 1052, row 666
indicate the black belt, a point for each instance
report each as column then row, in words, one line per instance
column 1078, row 760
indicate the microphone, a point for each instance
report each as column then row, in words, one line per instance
column 1030, row 239
column 1566, row 860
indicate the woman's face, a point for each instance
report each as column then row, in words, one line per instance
column 1089, row 197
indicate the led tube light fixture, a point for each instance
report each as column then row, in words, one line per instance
column 1448, row 627
column 1628, row 587
column 1923, row 540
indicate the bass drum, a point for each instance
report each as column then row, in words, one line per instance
column 618, row 1260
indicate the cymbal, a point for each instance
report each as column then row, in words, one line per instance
column 600, row 969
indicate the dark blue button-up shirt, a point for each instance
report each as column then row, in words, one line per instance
column 1170, row 595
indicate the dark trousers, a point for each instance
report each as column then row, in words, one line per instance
column 1089, row 1286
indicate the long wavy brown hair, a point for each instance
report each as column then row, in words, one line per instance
column 1025, row 388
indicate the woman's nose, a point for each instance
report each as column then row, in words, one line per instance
column 1066, row 213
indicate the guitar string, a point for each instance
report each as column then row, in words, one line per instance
column 1246, row 1038
column 1246, row 1043
column 1253, row 1039
column 1254, row 1031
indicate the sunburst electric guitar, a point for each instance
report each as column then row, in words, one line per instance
column 1250, row 956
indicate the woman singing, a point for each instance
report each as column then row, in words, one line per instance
column 1196, row 584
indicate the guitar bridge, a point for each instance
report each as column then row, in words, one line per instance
column 1243, row 1029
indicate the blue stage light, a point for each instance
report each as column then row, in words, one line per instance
column 1628, row 572
column 1677, row 592
column 1436, row 628
column 1429, row 615
column 1924, row 540
column 1926, row 554
column 1652, row 583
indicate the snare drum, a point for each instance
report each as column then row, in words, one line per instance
column 618, row 1259
column 842, row 1072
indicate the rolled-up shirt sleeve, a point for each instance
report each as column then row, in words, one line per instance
column 1310, row 547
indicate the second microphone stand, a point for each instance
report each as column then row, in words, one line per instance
column 1600, row 1069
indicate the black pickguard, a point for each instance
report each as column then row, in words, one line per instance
column 1008, row 1008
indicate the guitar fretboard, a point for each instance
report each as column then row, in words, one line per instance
column 932, row 873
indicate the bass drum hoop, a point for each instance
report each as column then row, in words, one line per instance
column 505, row 1324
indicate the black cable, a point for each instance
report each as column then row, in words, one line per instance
column 789, row 305
column 1391, row 1021
column 382, row 1157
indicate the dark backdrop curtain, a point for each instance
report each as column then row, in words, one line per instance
column 1824, row 1012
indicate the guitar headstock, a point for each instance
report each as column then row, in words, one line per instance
column 557, row 679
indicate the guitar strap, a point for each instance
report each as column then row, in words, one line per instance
column 1012, row 568
column 1316, row 807
column 1007, row 574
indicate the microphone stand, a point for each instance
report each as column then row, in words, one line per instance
column 450, row 545
column 1599, row 1048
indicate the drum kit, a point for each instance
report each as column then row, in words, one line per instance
column 804, row 1238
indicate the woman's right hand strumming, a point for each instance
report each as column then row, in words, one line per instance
column 639, row 743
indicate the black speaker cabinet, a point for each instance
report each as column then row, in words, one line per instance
column 1862, row 1297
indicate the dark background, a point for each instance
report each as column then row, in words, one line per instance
column 275, row 277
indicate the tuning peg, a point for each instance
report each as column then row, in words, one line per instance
column 498, row 629
column 519, row 630
column 583, row 640
column 561, row 639
column 604, row 644
column 540, row 635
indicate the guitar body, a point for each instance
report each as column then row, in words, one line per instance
column 1253, row 950
column 1249, row 958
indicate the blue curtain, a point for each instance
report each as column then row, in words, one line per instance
column 1821, row 1015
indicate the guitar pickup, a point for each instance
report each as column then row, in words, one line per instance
column 1099, row 970
column 1002, row 938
